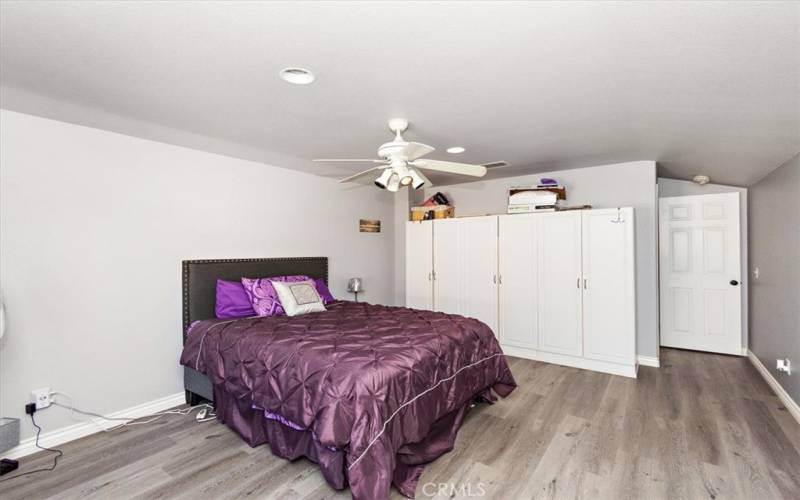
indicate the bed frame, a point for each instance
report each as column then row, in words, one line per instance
column 199, row 297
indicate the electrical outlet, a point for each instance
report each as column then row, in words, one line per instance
column 784, row 365
column 41, row 397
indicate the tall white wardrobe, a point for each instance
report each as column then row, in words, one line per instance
column 556, row 287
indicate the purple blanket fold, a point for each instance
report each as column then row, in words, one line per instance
column 378, row 391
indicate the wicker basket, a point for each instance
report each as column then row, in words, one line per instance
column 439, row 212
column 9, row 433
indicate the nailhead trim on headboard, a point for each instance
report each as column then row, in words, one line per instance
column 186, row 275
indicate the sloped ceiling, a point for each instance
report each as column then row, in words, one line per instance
column 700, row 87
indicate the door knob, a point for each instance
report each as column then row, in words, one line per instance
column 734, row 282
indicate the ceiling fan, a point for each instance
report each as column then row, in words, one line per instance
column 400, row 163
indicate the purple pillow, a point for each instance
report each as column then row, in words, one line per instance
column 322, row 290
column 263, row 296
column 232, row 300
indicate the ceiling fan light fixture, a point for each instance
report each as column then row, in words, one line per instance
column 297, row 76
column 401, row 163
column 394, row 182
column 404, row 173
column 455, row 150
column 383, row 180
column 416, row 180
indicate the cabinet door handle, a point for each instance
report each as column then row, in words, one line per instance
column 578, row 284
column 500, row 279
column 494, row 279
column 584, row 284
column 434, row 276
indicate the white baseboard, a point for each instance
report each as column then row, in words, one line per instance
column 779, row 391
column 83, row 429
column 572, row 361
column 648, row 361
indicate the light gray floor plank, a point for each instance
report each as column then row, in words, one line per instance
column 702, row 426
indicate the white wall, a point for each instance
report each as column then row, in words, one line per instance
column 93, row 228
column 676, row 187
column 623, row 184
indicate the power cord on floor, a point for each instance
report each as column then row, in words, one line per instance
column 151, row 418
column 205, row 414
column 206, row 409
column 36, row 442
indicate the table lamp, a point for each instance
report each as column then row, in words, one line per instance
column 355, row 285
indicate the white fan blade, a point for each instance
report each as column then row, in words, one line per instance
column 451, row 167
column 360, row 174
column 342, row 159
column 415, row 150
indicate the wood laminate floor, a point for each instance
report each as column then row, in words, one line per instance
column 701, row 426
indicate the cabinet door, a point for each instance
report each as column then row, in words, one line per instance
column 419, row 265
column 519, row 288
column 478, row 270
column 447, row 246
column 560, row 285
column 465, row 267
column 609, row 316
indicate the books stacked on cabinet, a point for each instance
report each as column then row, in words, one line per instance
column 543, row 197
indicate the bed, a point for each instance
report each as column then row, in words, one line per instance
column 370, row 393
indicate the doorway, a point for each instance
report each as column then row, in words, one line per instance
column 700, row 282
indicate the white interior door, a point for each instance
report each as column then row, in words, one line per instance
column 560, row 283
column 700, row 273
column 609, row 302
column 419, row 265
column 465, row 267
column 518, row 254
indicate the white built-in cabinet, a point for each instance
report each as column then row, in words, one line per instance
column 465, row 268
column 609, row 289
column 419, row 266
column 518, row 265
column 560, row 277
column 556, row 287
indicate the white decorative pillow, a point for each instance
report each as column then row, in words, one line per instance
column 299, row 297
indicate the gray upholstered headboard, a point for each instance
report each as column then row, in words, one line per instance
column 200, row 279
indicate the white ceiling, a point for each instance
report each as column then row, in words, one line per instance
column 700, row 87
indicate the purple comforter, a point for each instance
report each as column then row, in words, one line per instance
column 370, row 381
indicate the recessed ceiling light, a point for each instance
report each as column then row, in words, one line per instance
column 455, row 150
column 297, row 76
column 701, row 179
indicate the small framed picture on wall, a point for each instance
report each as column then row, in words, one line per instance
column 369, row 226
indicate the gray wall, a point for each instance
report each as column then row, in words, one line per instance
column 623, row 184
column 675, row 187
column 93, row 228
column 775, row 250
